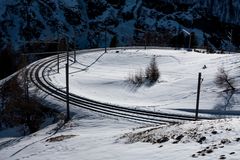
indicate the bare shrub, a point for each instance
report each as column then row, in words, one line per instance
column 223, row 80
column 137, row 79
column 152, row 73
column 149, row 77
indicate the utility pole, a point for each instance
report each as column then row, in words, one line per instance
column 58, row 47
column 105, row 38
column 74, row 43
column 145, row 40
column 67, row 84
column 190, row 39
column 230, row 38
column 58, row 50
column 58, row 61
column 198, row 94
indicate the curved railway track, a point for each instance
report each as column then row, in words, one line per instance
column 38, row 74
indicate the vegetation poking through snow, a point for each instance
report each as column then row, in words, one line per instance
column 149, row 78
column 210, row 133
column 136, row 79
column 199, row 132
column 152, row 73
column 59, row 138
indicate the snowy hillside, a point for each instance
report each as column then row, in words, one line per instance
column 89, row 137
column 103, row 77
column 175, row 91
column 83, row 21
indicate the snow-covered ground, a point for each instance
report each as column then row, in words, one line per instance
column 96, row 138
column 105, row 80
column 90, row 136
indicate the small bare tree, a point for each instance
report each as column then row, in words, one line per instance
column 137, row 78
column 152, row 72
column 223, row 80
column 148, row 78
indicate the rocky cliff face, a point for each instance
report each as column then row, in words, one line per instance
column 126, row 22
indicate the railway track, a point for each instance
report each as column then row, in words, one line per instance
column 38, row 74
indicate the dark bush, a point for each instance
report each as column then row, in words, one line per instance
column 114, row 42
column 148, row 78
column 152, row 73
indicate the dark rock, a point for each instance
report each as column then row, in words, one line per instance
column 201, row 139
column 215, row 147
column 162, row 140
column 203, row 154
column 209, row 151
column 179, row 137
column 228, row 129
column 225, row 141
column 222, row 157
column 194, row 156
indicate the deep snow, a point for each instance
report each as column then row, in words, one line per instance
column 98, row 137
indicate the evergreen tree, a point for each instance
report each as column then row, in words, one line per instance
column 181, row 40
column 7, row 62
column 114, row 41
column 194, row 42
column 205, row 41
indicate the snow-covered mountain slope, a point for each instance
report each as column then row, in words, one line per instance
column 92, row 138
column 83, row 21
column 107, row 80
column 227, row 11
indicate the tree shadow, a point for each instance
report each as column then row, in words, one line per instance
column 227, row 101
column 132, row 87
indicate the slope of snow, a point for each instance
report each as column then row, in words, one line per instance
column 92, row 138
column 89, row 136
column 203, row 140
column 106, row 80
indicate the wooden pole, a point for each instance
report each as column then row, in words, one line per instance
column 145, row 40
column 58, row 63
column 190, row 39
column 75, row 45
column 67, row 85
column 105, row 38
column 198, row 94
